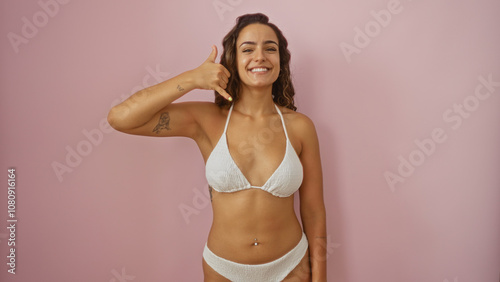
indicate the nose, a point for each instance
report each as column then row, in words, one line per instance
column 259, row 55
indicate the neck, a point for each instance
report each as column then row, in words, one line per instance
column 255, row 101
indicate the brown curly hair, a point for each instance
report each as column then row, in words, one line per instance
column 283, row 90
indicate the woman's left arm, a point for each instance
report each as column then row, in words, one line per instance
column 312, row 207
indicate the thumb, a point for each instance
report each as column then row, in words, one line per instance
column 213, row 55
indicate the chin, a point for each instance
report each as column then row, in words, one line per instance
column 258, row 84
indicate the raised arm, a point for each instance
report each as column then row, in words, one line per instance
column 150, row 111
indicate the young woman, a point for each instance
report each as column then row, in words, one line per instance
column 258, row 152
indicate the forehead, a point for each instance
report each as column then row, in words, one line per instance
column 257, row 33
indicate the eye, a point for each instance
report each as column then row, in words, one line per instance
column 247, row 50
column 271, row 49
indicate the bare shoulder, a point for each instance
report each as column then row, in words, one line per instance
column 298, row 122
column 210, row 119
column 204, row 113
column 301, row 130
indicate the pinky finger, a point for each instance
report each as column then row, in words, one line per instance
column 223, row 93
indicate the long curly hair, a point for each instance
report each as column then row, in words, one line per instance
column 283, row 90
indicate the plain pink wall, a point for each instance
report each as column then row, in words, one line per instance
column 377, row 78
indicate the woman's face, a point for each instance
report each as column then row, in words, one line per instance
column 257, row 56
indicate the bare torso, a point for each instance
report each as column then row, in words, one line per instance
column 257, row 146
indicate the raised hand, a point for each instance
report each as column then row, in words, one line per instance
column 212, row 76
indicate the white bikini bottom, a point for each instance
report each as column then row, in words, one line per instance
column 275, row 270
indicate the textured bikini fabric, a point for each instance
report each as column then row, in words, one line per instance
column 223, row 175
column 275, row 270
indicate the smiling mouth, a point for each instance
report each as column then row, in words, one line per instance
column 259, row 70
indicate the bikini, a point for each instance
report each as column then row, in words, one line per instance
column 223, row 175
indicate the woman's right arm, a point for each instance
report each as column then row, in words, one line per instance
column 151, row 112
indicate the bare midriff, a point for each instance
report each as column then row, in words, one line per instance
column 252, row 226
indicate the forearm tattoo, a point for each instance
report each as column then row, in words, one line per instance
column 180, row 88
column 210, row 190
column 162, row 123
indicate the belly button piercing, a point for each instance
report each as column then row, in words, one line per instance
column 255, row 244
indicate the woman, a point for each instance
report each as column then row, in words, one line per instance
column 258, row 151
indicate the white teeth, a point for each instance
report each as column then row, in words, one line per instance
column 259, row 70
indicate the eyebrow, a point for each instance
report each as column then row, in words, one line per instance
column 265, row 42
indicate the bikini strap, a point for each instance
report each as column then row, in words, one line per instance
column 228, row 116
column 282, row 120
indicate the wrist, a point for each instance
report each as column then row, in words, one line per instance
column 189, row 80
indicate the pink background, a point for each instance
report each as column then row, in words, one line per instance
column 115, row 213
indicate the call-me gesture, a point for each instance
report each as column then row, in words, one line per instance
column 212, row 76
column 151, row 111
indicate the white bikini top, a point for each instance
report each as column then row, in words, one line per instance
column 223, row 175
